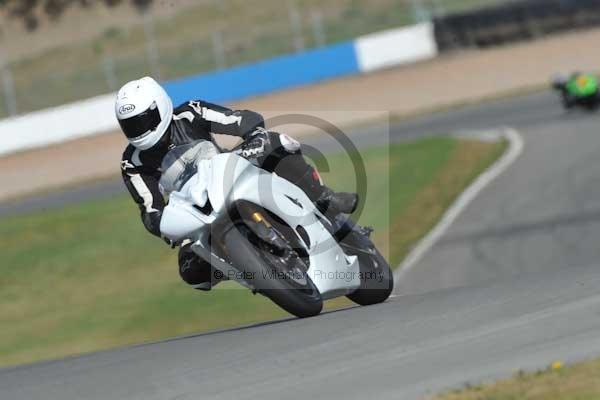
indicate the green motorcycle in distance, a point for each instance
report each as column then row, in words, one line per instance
column 578, row 90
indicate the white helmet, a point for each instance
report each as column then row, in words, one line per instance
column 144, row 111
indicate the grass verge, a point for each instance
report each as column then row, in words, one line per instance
column 577, row 382
column 89, row 277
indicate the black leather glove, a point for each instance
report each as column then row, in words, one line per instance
column 256, row 144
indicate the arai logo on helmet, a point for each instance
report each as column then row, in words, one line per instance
column 126, row 109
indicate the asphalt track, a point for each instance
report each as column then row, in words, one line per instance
column 514, row 283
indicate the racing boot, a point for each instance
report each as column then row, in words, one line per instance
column 334, row 203
column 196, row 272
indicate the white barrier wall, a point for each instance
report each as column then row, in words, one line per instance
column 58, row 124
column 396, row 47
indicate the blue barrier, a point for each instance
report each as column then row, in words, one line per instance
column 267, row 76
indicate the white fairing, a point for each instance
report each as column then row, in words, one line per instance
column 181, row 220
column 228, row 178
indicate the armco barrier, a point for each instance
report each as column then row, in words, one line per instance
column 95, row 116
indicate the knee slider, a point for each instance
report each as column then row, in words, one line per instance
column 290, row 144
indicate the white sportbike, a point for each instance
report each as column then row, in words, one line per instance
column 262, row 231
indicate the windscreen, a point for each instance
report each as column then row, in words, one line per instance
column 181, row 163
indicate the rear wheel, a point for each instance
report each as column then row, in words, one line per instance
column 568, row 100
column 376, row 278
column 283, row 279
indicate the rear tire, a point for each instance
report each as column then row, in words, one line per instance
column 298, row 296
column 377, row 280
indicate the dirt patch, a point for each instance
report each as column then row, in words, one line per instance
column 65, row 164
column 450, row 79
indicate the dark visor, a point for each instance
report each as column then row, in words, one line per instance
column 142, row 123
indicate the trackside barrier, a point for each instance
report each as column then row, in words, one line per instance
column 396, row 46
column 95, row 116
column 58, row 124
column 268, row 76
column 514, row 21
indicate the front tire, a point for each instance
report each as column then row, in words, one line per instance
column 294, row 292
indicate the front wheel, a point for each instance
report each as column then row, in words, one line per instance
column 283, row 280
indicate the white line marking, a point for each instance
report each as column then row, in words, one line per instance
column 516, row 146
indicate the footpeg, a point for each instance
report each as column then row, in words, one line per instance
column 366, row 230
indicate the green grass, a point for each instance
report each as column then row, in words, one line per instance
column 576, row 382
column 69, row 73
column 89, row 277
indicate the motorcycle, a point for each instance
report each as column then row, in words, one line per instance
column 578, row 90
column 262, row 231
